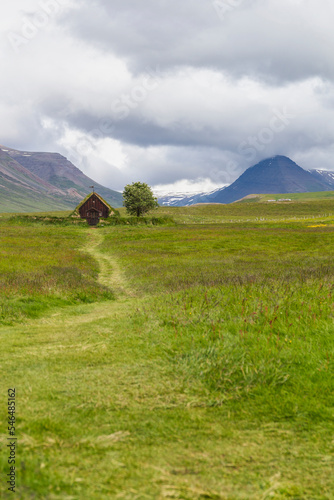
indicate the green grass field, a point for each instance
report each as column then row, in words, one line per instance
column 191, row 362
column 301, row 197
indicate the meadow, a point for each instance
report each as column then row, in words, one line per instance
column 191, row 361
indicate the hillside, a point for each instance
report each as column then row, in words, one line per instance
column 284, row 198
column 323, row 175
column 44, row 181
column 278, row 175
column 22, row 191
column 273, row 175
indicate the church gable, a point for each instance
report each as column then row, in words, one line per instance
column 92, row 208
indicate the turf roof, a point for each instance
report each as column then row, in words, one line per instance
column 76, row 210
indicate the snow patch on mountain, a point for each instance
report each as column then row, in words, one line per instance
column 185, row 199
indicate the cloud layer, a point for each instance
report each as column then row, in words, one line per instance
column 165, row 91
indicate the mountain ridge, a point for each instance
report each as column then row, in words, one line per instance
column 275, row 175
column 34, row 181
column 278, row 174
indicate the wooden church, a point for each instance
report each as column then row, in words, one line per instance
column 92, row 208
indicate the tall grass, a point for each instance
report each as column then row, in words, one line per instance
column 214, row 255
column 256, row 341
column 248, row 311
column 212, row 378
column 42, row 267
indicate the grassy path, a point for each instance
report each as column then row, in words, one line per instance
column 103, row 415
column 110, row 274
column 104, row 412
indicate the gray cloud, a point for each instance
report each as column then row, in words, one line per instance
column 278, row 41
column 164, row 91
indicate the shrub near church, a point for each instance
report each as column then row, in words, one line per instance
column 138, row 199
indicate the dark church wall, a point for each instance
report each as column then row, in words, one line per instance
column 94, row 202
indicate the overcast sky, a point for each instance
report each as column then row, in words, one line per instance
column 180, row 94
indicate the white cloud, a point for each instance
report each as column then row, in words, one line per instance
column 169, row 92
column 186, row 186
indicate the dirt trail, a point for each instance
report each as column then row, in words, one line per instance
column 110, row 274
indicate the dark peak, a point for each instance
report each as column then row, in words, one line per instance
column 277, row 174
column 274, row 162
column 282, row 157
column 276, row 159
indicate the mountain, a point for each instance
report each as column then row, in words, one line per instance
column 44, row 181
column 324, row 175
column 273, row 175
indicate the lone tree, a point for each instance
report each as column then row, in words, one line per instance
column 138, row 199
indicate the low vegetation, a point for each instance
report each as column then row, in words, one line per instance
column 41, row 267
column 287, row 212
column 207, row 372
column 117, row 220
